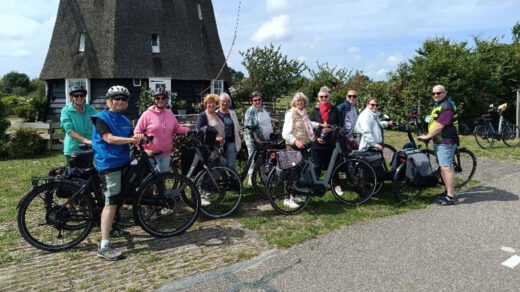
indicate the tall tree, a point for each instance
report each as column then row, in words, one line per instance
column 14, row 82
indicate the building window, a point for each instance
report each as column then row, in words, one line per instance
column 217, row 86
column 137, row 82
column 155, row 43
column 82, row 42
column 82, row 82
column 200, row 11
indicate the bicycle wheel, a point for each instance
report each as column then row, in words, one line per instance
column 55, row 216
column 464, row 165
column 281, row 199
column 353, row 182
column 404, row 190
column 509, row 135
column 259, row 179
column 167, row 205
column 220, row 190
column 484, row 136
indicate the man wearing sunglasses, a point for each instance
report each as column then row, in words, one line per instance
column 110, row 143
column 75, row 121
column 348, row 111
column 159, row 121
column 442, row 129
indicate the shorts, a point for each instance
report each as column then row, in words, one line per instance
column 111, row 186
column 444, row 154
column 163, row 163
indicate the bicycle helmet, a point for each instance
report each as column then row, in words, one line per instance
column 161, row 91
column 77, row 88
column 117, row 90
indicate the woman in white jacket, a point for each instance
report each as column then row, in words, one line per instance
column 369, row 126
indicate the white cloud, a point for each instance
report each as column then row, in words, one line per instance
column 13, row 49
column 276, row 5
column 393, row 60
column 276, row 29
column 353, row 50
column 12, row 25
column 381, row 73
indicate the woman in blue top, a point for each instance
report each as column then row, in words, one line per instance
column 76, row 121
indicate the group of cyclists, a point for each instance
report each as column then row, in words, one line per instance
column 110, row 133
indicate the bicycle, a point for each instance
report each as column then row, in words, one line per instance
column 352, row 181
column 260, row 163
column 61, row 209
column 485, row 134
column 220, row 186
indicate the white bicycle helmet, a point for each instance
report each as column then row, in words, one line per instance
column 77, row 88
column 161, row 91
column 117, row 90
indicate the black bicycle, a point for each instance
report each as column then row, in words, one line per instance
column 61, row 209
column 485, row 134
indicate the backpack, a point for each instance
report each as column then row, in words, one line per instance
column 289, row 164
column 418, row 168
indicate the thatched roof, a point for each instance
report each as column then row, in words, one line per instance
column 118, row 40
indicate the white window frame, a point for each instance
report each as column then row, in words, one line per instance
column 81, row 42
column 156, row 48
column 217, row 86
column 70, row 82
column 199, row 9
column 137, row 82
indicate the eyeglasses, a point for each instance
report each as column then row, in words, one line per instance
column 160, row 98
column 323, row 96
column 437, row 93
column 121, row 97
column 257, row 100
column 78, row 95
column 373, row 104
column 352, row 96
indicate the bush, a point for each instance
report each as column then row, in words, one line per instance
column 4, row 125
column 25, row 143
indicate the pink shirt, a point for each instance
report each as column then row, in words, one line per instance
column 162, row 125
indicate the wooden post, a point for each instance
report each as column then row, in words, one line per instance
column 517, row 111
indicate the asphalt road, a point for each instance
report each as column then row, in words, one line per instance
column 473, row 246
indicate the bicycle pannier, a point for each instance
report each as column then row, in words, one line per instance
column 289, row 163
column 419, row 170
column 376, row 160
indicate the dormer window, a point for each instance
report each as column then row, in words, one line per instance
column 81, row 42
column 155, row 43
column 200, row 11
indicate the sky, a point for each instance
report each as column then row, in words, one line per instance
column 367, row 35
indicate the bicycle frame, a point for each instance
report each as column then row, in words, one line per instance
column 309, row 166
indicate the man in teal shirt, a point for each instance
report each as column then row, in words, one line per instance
column 76, row 121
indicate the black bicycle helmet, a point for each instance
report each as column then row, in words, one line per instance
column 77, row 88
column 117, row 90
column 161, row 91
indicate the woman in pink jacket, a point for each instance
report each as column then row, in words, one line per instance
column 159, row 121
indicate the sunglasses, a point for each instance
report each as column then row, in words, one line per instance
column 323, row 96
column 352, row 96
column 122, row 98
column 160, row 98
column 257, row 99
column 437, row 93
column 78, row 95
column 373, row 104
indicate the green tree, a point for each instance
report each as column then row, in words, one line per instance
column 13, row 80
column 271, row 72
column 145, row 98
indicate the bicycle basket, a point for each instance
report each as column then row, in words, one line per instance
column 208, row 136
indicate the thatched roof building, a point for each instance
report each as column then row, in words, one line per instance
column 108, row 42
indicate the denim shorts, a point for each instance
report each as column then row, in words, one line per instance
column 444, row 154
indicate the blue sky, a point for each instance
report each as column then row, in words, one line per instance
column 371, row 36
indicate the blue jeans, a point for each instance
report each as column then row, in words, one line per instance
column 163, row 163
column 444, row 154
column 231, row 155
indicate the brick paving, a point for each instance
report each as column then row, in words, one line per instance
column 148, row 263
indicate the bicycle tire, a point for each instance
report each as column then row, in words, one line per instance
column 221, row 199
column 277, row 193
column 404, row 190
column 161, row 211
column 483, row 136
column 353, row 182
column 509, row 135
column 388, row 154
column 259, row 179
column 50, row 220
column 462, row 159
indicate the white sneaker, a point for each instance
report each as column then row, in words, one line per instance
column 290, row 203
column 338, row 190
column 204, row 199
